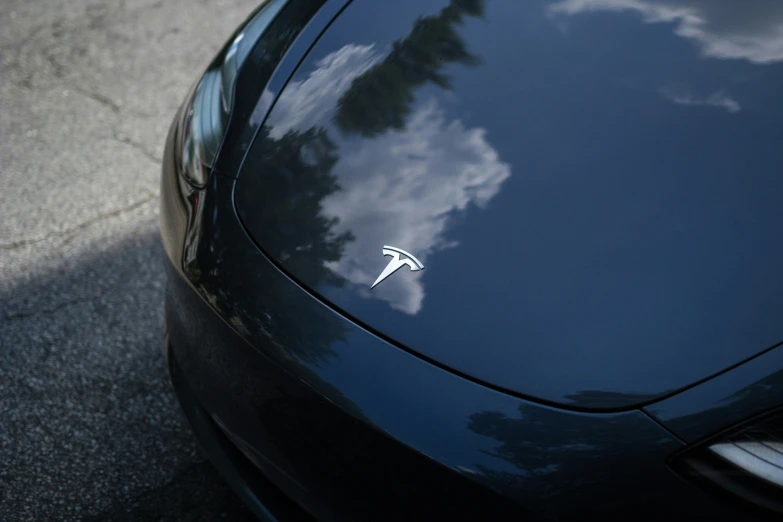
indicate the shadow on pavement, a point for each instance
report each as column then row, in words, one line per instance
column 89, row 425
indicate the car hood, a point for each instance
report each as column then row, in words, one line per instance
column 594, row 190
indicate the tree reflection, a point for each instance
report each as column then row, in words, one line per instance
column 599, row 399
column 290, row 202
column 288, row 206
column 292, row 176
column 533, row 445
column 557, row 453
column 380, row 99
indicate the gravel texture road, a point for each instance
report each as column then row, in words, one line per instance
column 89, row 426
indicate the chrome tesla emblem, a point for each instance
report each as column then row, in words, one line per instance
column 396, row 263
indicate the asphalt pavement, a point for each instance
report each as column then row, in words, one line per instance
column 89, row 426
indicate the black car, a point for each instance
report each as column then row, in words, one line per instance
column 485, row 260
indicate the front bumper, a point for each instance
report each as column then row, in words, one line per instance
column 283, row 390
column 262, row 425
column 263, row 498
column 396, row 439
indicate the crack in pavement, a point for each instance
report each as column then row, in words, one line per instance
column 51, row 310
column 136, row 145
column 100, row 98
column 84, row 224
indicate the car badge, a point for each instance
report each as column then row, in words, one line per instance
column 397, row 262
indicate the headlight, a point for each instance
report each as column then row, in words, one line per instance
column 746, row 462
column 208, row 106
column 763, row 459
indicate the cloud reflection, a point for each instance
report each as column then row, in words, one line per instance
column 305, row 103
column 717, row 99
column 750, row 29
column 400, row 188
column 403, row 187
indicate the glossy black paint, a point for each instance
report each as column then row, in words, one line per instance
column 595, row 190
column 292, row 32
column 752, row 389
column 258, row 492
column 344, row 421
